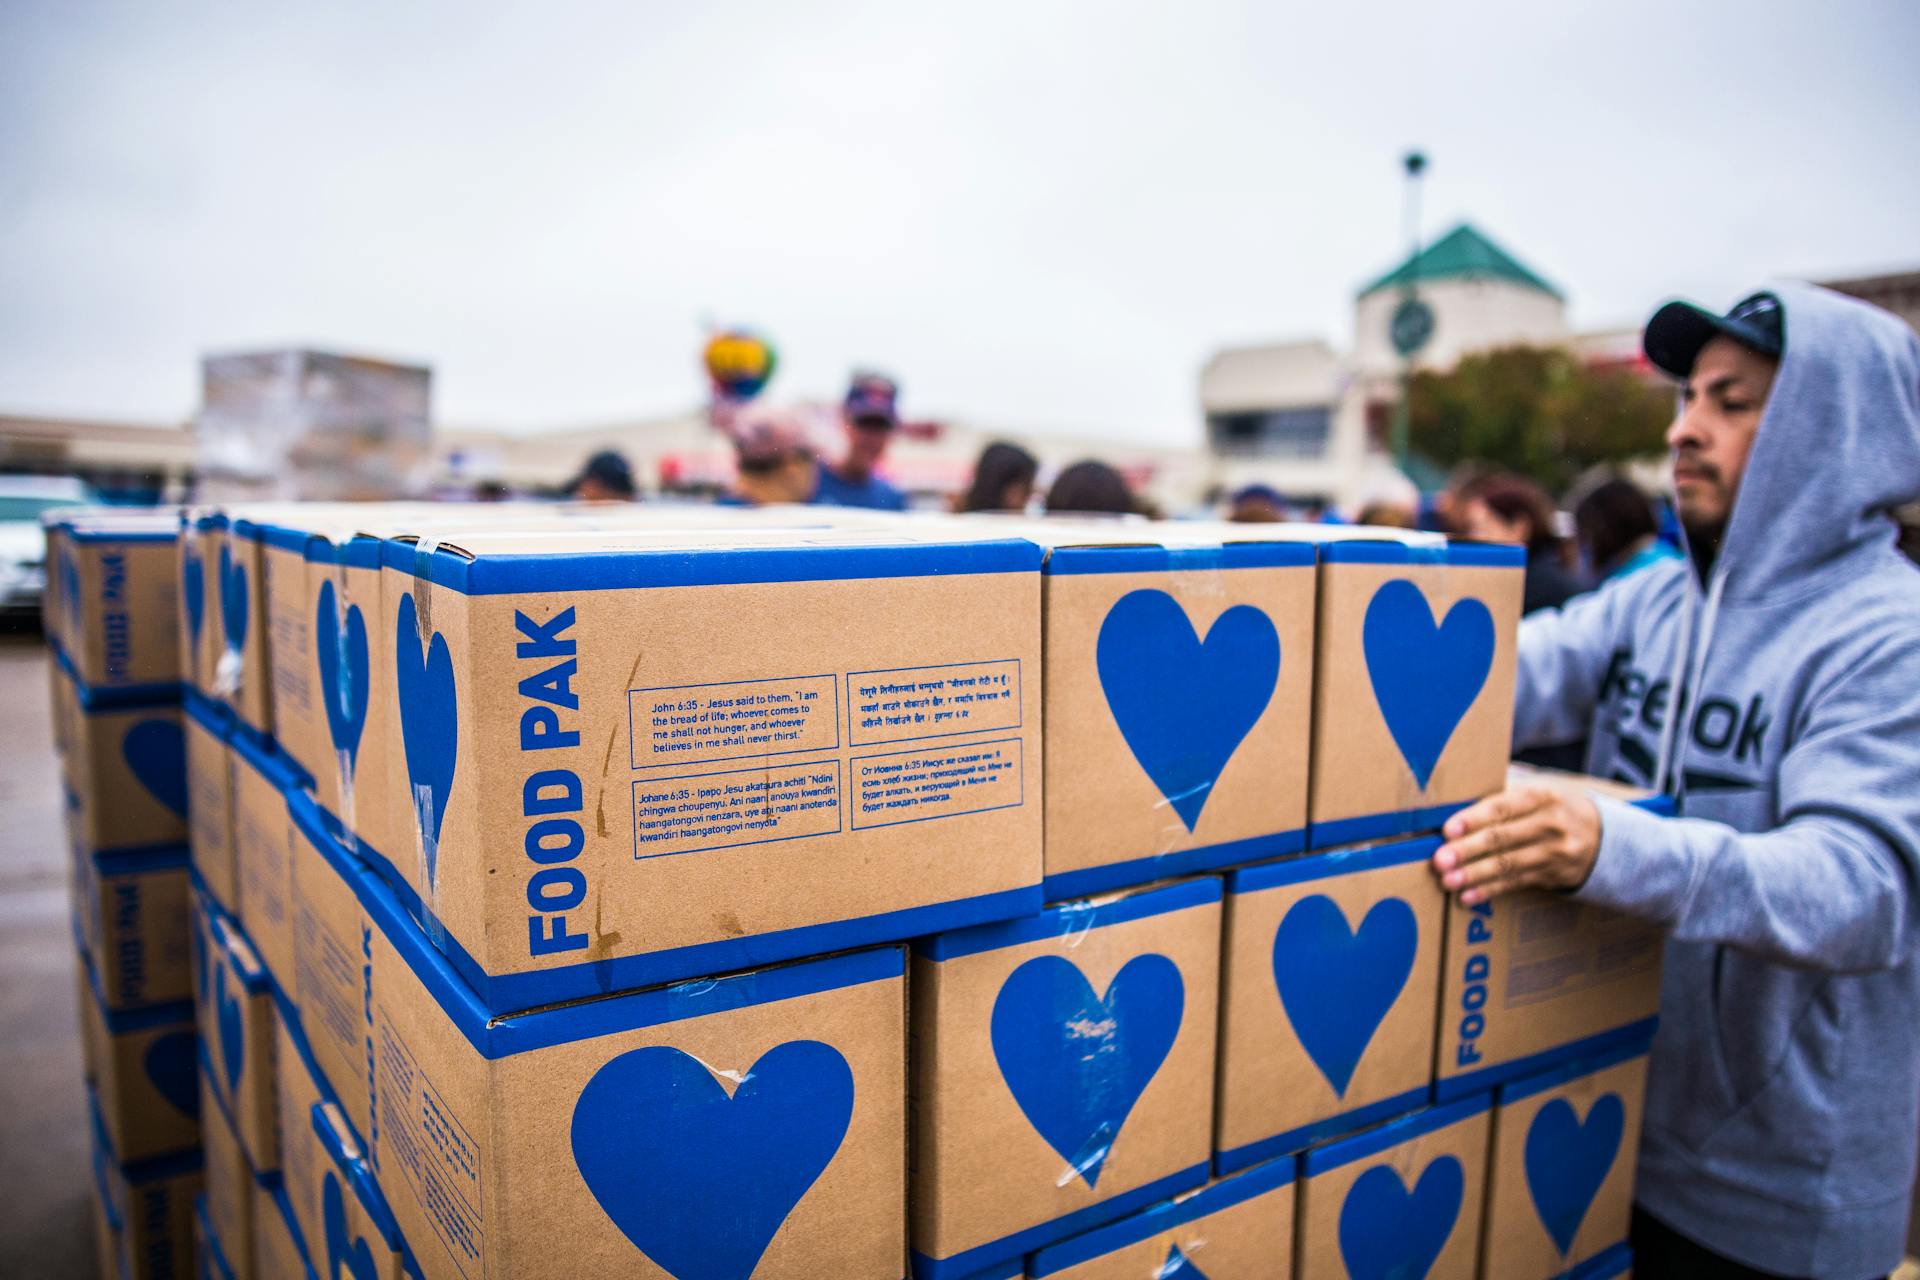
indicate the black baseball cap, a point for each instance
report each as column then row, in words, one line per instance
column 1678, row 330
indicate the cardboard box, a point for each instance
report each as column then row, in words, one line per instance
column 125, row 767
column 1560, row 1182
column 133, row 912
column 332, row 966
column 1178, row 685
column 244, row 669
column 1063, row 1072
column 144, row 1209
column 1403, row 1199
column 1533, row 978
column 229, row 1194
column 748, row 1124
column 278, row 1249
column 1330, row 986
column 235, row 1008
column 636, row 758
column 263, row 839
column 210, row 1254
column 118, row 597
column 1240, row 1228
column 1413, row 683
column 202, row 533
column 141, row 1063
column 209, row 730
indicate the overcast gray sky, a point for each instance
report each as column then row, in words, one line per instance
column 1041, row 216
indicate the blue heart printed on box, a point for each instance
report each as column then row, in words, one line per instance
column 348, row 1257
column 429, row 724
column 1567, row 1161
column 193, row 583
column 1077, row 1063
column 654, row 1127
column 156, row 754
column 1389, row 1233
column 1178, row 1266
column 169, row 1065
column 70, row 592
column 1425, row 676
column 342, row 652
column 1337, row 984
column 233, row 1038
column 1185, row 705
column 233, row 599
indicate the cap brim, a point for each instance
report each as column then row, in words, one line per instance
column 1679, row 330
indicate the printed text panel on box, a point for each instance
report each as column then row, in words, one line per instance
column 933, row 702
column 708, row 723
column 436, row 1154
column 935, row 782
column 741, row 806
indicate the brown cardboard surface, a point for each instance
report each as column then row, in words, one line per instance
column 121, row 628
column 331, row 979
column 141, row 1118
column 250, row 665
column 1102, row 807
column 263, row 838
column 135, row 925
column 276, row 1251
column 1358, row 770
column 303, row 1161
column 982, row 1170
column 1324, row 1197
column 230, row 1198
column 109, row 806
column 1269, row 1082
column 1517, row 1241
column 595, row 840
column 144, row 1230
column 210, row 768
column 1532, row 972
column 479, row 1157
column 238, row 1041
column 1251, row 1240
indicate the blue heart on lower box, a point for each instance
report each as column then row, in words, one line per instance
column 1567, row 1161
column 1337, row 985
column 1390, row 1233
column 1077, row 1063
column 347, row 1254
column 170, row 1067
column 233, row 1039
column 1178, row 1266
column 699, row 1181
column 156, row 753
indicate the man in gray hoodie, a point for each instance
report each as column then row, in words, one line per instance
column 1770, row 682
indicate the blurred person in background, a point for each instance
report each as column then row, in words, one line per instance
column 1618, row 531
column 1442, row 514
column 1508, row 508
column 1387, row 515
column 870, row 413
column 605, row 478
column 772, row 460
column 1090, row 486
column 1002, row 480
column 1768, row 681
column 1257, row 504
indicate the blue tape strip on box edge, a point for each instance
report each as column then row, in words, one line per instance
column 1391, row 1134
column 716, row 566
column 1162, row 1217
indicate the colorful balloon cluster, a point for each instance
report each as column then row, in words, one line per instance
column 740, row 363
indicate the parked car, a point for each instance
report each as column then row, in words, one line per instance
column 23, row 544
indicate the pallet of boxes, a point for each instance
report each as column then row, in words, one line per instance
column 111, row 618
column 709, row 895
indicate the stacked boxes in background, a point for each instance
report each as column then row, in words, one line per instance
column 110, row 619
column 552, row 869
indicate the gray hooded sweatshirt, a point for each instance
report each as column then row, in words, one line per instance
column 1783, row 1101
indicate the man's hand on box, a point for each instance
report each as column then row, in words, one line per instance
column 1525, row 838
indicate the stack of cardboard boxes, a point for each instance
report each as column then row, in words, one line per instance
column 554, row 870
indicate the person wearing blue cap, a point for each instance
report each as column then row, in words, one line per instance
column 1769, row 681
column 871, row 415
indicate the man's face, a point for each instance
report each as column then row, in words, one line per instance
column 1714, row 433
column 867, row 440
